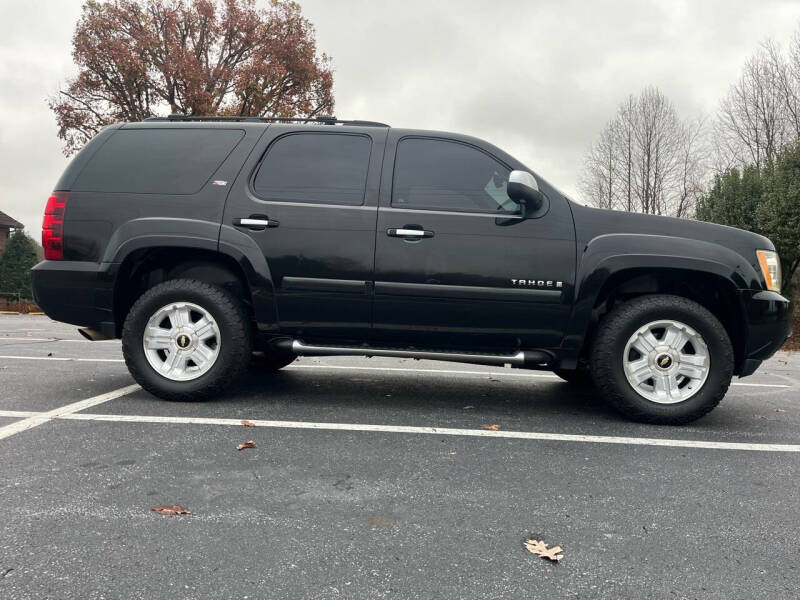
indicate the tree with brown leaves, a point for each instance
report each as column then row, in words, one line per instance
column 142, row 58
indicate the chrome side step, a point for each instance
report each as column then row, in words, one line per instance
column 523, row 357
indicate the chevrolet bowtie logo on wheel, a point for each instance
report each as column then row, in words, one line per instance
column 183, row 341
column 664, row 362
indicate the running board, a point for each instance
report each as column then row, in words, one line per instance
column 523, row 357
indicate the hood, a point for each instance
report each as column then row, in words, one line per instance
column 593, row 222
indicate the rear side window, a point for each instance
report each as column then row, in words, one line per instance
column 157, row 161
column 447, row 175
column 323, row 168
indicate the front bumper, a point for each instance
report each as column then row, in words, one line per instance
column 76, row 292
column 768, row 318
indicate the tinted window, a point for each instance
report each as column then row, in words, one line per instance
column 157, row 161
column 324, row 168
column 445, row 175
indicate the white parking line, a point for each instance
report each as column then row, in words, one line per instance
column 64, row 358
column 51, row 339
column 360, row 427
column 44, row 417
column 504, row 373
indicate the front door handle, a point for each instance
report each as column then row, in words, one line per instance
column 405, row 232
column 256, row 222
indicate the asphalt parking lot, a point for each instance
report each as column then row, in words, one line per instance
column 374, row 478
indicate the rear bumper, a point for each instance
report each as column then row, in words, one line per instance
column 80, row 293
column 768, row 318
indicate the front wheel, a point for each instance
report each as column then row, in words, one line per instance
column 186, row 340
column 662, row 359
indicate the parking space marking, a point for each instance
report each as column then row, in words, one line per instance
column 361, row 427
column 18, row 413
column 33, row 339
column 504, row 373
column 44, row 417
column 64, row 358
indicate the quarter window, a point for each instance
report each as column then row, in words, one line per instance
column 158, row 161
column 447, row 175
column 324, row 168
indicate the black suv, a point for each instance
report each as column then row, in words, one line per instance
column 210, row 244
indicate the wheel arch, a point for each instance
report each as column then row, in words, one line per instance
column 704, row 272
column 237, row 264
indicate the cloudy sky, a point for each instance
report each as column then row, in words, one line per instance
column 538, row 78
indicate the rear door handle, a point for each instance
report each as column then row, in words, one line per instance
column 409, row 233
column 256, row 222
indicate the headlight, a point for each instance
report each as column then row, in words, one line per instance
column 771, row 268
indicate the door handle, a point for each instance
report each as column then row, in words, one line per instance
column 409, row 233
column 256, row 222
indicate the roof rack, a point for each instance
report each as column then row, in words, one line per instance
column 323, row 120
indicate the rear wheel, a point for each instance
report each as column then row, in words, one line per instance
column 662, row 359
column 186, row 340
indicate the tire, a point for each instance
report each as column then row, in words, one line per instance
column 576, row 377
column 228, row 341
column 616, row 363
column 265, row 363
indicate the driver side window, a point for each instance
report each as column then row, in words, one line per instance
column 437, row 174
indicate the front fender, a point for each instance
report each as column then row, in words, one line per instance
column 608, row 255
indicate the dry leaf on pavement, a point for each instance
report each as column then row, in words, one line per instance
column 540, row 549
column 250, row 444
column 247, row 423
column 494, row 427
column 170, row 510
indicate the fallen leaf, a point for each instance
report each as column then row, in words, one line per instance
column 494, row 427
column 250, row 444
column 452, row 452
column 247, row 423
column 779, row 410
column 170, row 510
column 469, row 407
column 540, row 549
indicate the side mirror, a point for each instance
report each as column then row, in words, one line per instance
column 524, row 190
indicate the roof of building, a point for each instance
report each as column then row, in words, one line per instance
column 6, row 221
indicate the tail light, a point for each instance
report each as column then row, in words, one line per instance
column 53, row 226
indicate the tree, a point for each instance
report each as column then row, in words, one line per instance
column 733, row 199
column 15, row 265
column 141, row 58
column 766, row 201
column 752, row 124
column 646, row 159
column 778, row 216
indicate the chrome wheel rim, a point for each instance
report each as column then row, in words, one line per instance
column 666, row 361
column 181, row 341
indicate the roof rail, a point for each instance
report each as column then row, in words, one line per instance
column 323, row 120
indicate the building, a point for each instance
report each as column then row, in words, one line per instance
column 6, row 225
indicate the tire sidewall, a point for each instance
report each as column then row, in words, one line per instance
column 143, row 310
column 715, row 338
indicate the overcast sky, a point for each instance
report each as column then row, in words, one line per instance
column 537, row 78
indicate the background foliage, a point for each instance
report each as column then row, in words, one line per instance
column 143, row 58
column 16, row 262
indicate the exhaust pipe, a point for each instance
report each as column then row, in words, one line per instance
column 93, row 335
